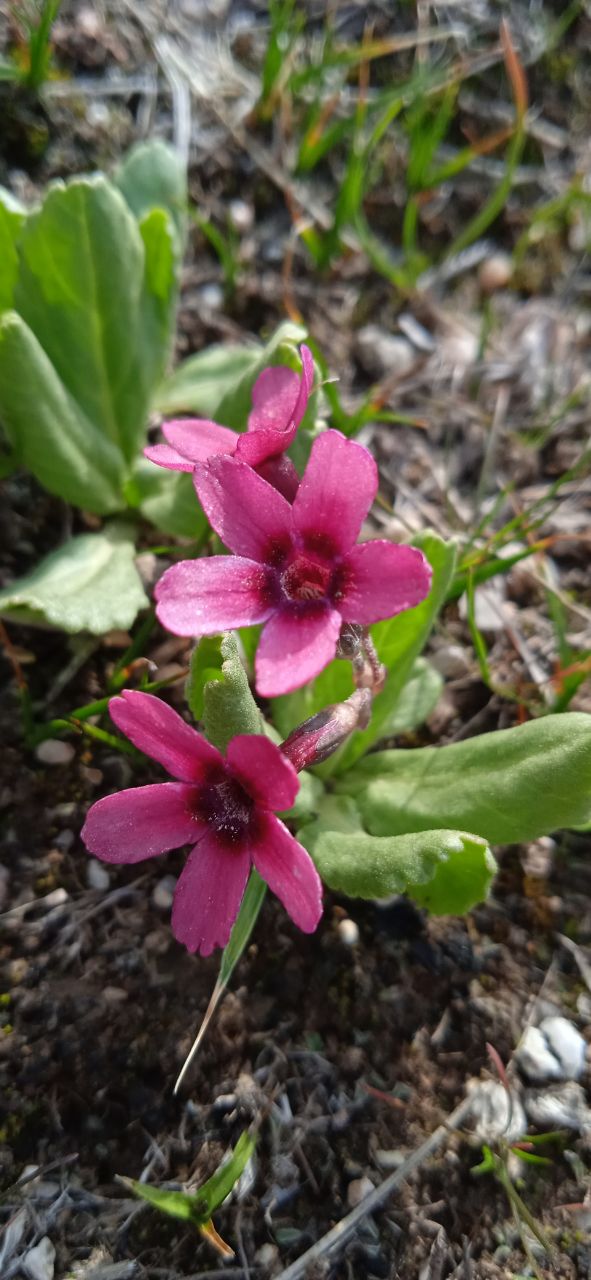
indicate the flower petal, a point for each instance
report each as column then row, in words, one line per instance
column 296, row 644
column 250, row 516
column 208, row 895
column 162, row 734
column 279, row 397
column 281, row 473
column 335, row 493
column 164, row 456
column 198, row 439
column 274, row 398
column 203, row 597
column 266, row 774
column 142, row 822
column 289, row 871
column 381, row 579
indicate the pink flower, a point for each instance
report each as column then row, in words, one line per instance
column 279, row 399
column 224, row 807
column 295, row 568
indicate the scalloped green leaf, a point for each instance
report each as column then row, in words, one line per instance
column 228, row 705
column 445, row 871
column 89, row 584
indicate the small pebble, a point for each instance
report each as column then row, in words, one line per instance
column 54, row 752
column 384, row 354
column 64, row 840
column 553, row 1051
column 451, row 661
column 211, row 296
column 496, row 1115
column 97, row 876
column 114, row 995
column 358, row 1190
column 391, row 1159
column 563, row 1107
column 241, row 215
column 163, row 893
column 39, row 1262
column 495, row 272
column 348, row 932
column 267, row 1255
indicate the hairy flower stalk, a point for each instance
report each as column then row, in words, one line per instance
column 295, row 567
column 225, row 807
column 279, row 398
column 320, row 736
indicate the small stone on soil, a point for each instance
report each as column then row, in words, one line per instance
column 54, row 752
column 163, row 893
column 97, row 876
column 358, row 1190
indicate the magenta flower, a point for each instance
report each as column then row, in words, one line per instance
column 279, row 399
column 295, row 568
column 224, row 807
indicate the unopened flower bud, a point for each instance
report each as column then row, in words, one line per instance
column 317, row 738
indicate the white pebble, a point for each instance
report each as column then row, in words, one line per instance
column 97, row 876
column 267, row 1255
column 211, row 296
column 241, row 214
column 553, row 1051
column 348, row 932
column 52, row 751
column 359, row 1189
column 163, row 893
column 495, row 272
column 39, row 1262
column 496, row 1114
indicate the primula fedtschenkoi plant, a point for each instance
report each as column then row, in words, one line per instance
column 279, row 398
column 224, row 807
column 295, row 567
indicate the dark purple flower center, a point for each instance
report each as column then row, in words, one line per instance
column 306, row 579
column 227, row 807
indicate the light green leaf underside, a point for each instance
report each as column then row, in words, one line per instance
column 445, row 871
column 89, row 584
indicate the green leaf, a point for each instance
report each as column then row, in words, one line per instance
column 244, row 924
column 152, row 176
column 235, row 406
column 50, row 435
column 217, row 1188
column 417, row 699
column 242, row 928
column 399, row 641
column 200, row 383
column 89, row 584
column 197, row 1207
column 511, row 785
column 159, row 296
column 12, row 217
column 92, row 288
column 167, row 499
column 206, row 665
column 229, row 707
column 444, row 871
